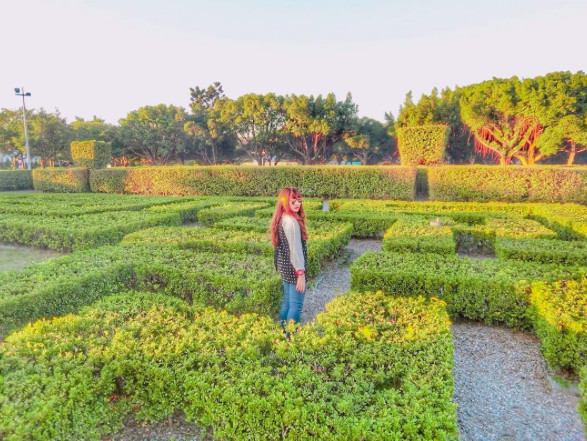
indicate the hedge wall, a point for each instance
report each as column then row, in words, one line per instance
column 90, row 154
column 508, row 183
column 16, row 180
column 313, row 181
column 422, row 145
column 62, row 180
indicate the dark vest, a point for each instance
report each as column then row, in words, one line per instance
column 282, row 259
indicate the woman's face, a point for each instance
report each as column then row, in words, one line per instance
column 295, row 204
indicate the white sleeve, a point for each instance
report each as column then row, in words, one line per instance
column 293, row 234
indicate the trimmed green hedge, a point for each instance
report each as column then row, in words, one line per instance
column 210, row 216
column 313, row 181
column 488, row 290
column 326, row 240
column 542, row 250
column 508, row 183
column 416, row 234
column 422, row 145
column 372, row 367
column 90, row 154
column 16, row 180
column 62, row 180
column 237, row 282
column 559, row 312
column 83, row 232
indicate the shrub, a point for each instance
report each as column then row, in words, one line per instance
column 16, row 180
column 559, row 313
column 90, row 154
column 421, row 145
column 508, row 183
column 487, row 290
column 66, row 180
column 416, row 234
column 369, row 367
column 542, row 250
column 313, row 181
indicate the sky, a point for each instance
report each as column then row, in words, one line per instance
column 110, row 57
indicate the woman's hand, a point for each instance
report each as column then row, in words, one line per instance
column 301, row 283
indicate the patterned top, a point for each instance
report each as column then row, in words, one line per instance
column 284, row 263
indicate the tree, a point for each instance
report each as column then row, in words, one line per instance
column 212, row 138
column 313, row 126
column 490, row 109
column 12, row 134
column 370, row 141
column 155, row 133
column 50, row 137
column 558, row 101
column 256, row 120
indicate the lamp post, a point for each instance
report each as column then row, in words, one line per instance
column 17, row 91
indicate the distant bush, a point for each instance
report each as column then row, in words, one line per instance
column 90, row 154
column 508, row 183
column 422, row 145
column 16, row 180
column 62, row 180
column 313, row 181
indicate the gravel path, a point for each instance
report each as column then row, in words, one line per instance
column 504, row 390
column 502, row 384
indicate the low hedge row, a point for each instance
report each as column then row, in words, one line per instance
column 371, row 367
column 77, row 233
column 62, row 180
column 542, row 250
column 508, row 184
column 488, row 290
column 16, row 180
column 56, row 205
column 210, row 216
column 238, row 282
column 568, row 220
column 313, row 181
column 325, row 240
column 559, row 312
column 416, row 234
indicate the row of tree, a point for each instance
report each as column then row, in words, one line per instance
column 503, row 120
column 265, row 128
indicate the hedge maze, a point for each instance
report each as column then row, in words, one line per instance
column 168, row 304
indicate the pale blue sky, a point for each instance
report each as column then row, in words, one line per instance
column 107, row 57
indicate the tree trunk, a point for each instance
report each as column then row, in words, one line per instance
column 572, row 153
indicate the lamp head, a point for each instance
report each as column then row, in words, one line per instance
column 16, row 90
column 27, row 94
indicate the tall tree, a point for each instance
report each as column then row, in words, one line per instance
column 313, row 126
column 155, row 133
column 256, row 120
column 213, row 139
column 370, row 141
column 558, row 101
column 50, row 137
column 490, row 109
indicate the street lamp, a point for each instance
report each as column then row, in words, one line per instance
column 26, row 135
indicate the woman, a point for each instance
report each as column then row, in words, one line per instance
column 289, row 236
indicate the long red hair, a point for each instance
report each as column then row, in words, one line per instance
column 282, row 206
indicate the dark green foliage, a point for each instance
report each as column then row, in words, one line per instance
column 488, row 290
column 62, row 180
column 90, row 154
column 372, row 367
column 16, row 180
column 422, row 145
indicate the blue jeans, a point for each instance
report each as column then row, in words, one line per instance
column 291, row 306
